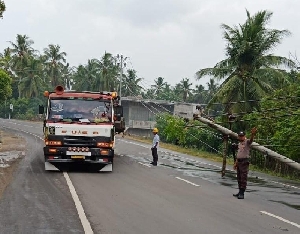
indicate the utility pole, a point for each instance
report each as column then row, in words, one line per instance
column 231, row 119
column 254, row 145
column 225, row 152
column 121, row 64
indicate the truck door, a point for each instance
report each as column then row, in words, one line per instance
column 119, row 119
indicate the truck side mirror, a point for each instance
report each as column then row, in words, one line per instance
column 118, row 112
column 41, row 109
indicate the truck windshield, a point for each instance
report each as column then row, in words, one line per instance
column 80, row 110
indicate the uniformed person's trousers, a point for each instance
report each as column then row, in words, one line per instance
column 242, row 173
column 154, row 155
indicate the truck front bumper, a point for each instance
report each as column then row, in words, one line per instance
column 59, row 158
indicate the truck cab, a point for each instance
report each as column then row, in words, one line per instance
column 79, row 129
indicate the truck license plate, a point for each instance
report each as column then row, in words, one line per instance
column 78, row 157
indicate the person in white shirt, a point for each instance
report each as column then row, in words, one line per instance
column 154, row 147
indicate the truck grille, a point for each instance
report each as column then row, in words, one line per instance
column 78, row 140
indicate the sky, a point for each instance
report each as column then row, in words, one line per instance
column 168, row 38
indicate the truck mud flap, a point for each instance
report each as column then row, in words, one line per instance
column 50, row 167
column 108, row 167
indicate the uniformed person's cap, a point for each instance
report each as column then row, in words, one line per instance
column 241, row 133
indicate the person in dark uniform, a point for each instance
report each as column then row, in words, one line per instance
column 154, row 147
column 241, row 164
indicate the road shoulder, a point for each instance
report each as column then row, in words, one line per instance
column 12, row 148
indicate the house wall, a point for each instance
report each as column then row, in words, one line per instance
column 185, row 110
column 140, row 116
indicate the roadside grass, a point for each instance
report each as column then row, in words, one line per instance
column 272, row 173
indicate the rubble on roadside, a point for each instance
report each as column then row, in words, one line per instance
column 6, row 158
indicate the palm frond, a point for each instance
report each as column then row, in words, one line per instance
column 218, row 73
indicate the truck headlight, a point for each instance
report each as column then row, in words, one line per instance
column 105, row 144
column 57, row 143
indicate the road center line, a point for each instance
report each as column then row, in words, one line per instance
column 144, row 164
column 280, row 218
column 189, row 182
column 84, row 221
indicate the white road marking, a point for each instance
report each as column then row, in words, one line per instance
column 285, row 185
column 189, row 182
column 144, row 164
column 280, row 218
column 178, row 156
column 84, row 221
column 209, row 164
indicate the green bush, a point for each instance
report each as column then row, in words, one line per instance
column 175, row 130
column 23, row 108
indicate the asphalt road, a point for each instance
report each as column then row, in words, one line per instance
column 182, row 194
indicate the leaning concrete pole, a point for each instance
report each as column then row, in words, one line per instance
column 254, row 145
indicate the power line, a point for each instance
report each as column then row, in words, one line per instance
column 237, row 114
column 209, row 132
column 254, row 100
column 166, row 121
column 259, row 118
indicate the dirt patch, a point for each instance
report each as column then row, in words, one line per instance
column 12, row 149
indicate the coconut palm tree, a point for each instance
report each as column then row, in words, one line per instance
column 249, row 65
column 22, row 49
column 149, row 94
column 186, row 89
column 167, row 93
column 109, row 71
column 86, row 76
column 159, row 84
column 67, row 74
column 32, row 83
column 199, row 94
column 54, row 60
column 21, row 52
column 212, row 88
column 131, row 86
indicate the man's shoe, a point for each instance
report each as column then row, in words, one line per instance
column 241, row 195
column 236, row 195
column 152, row 163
